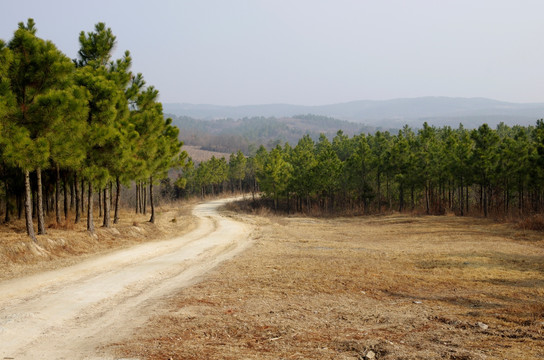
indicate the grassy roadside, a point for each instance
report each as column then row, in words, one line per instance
column 67, row 243
column 392, row 287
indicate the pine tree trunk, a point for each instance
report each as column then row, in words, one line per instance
column 41, row 222
column 379, row 194
column 99, row 203
column 520, row 201
column 72, row 197
column 107, row 220
column 90, row 224
column 117, row 197
column 57, row 195
column 152, row 204
column 111, row 194
column 484, row 190
column 34, row 207
column 6, row 218
column 82, row 197
column 467, row 199
column 461, row 198
column 507, row 199
column 144, row 198
column 427, row 191
column 65, row 182
column 412, row 196
column 401, row 198
column 78, row 209
column 140, row 198
column 137, row 197
column 387, row 192
column 28, row 208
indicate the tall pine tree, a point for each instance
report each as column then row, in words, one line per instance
column 38, row 74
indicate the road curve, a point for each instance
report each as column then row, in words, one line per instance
column 70, row 313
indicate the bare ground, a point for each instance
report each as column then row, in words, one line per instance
column 68, row 313
column 392, row 287
column 67, row 243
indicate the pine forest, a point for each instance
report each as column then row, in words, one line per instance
column 482, row 172
column 88, row 125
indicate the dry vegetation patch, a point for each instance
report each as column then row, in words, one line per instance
column 68, row 243
column 199, row 155
column 392, row 287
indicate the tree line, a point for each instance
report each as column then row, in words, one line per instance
column 88, row 125
column 434, row 170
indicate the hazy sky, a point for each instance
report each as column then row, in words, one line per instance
column 310, row 52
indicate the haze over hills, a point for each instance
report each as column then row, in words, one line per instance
column 395, row 113
column 247, row 134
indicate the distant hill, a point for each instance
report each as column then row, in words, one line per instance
column 395, row 113
column 247, row 134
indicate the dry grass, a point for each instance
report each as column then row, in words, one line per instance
column 198, row 155
column 402, row 287
column 66, row 243
column 535, row 222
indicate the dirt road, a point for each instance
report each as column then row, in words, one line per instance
column 70, row 313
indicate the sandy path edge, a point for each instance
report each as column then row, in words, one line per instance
column 70, row 313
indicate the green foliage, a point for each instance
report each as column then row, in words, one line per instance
column 303, row 159
column 40, row 96
column 96, row 47
column 435, row 169
column 74, row 116
column 275, row 173
column 6, row 96
column 237, row 168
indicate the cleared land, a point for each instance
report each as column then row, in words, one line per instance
column 198, row 155
column 400, row 287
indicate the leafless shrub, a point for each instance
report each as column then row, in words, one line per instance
column 535, row 222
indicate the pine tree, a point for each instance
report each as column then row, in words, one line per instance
column 358, row 170
column 108, row 127
column 274, row 175
column 303, row 161
column 67, row 111
column 168, row 156
column 6, row 96
column 327, row 172
column 484, row 162
column 38, row 74
column 237, row 168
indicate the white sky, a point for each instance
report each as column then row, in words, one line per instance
column 310, row 52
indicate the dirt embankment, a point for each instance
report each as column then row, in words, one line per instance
column 69, row 243
column 391, row 287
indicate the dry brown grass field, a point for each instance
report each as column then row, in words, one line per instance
column 383, row 287
column 198, row 155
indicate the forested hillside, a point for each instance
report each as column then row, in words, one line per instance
column 434, row 170
column 394, row 113
column 247, row 134
column 82, row 126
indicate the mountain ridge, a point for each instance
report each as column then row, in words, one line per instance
column 436, row 110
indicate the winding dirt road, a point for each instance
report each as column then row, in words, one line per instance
column 70, row 313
